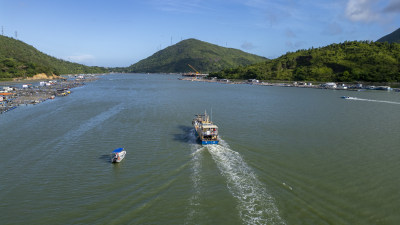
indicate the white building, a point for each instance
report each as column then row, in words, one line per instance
column 330, row 85
column 342, row 87
column 7, row 89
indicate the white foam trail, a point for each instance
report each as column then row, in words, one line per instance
column 93, row 122
column 255, row 205
column 197, row 157
column 288, row 186
column 371, row 100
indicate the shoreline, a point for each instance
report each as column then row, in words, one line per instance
column 17, row 93
column 320, row 85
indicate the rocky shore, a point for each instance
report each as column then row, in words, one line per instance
column 14, row 94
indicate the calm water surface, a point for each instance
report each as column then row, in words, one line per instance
column 287, row 156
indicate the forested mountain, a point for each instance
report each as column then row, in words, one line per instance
column 393, row 37
column 203, row 56
column 18, row 59
column 345, row 62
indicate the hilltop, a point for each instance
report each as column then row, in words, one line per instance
column 203, row 56
column 345, row 62
column 393, row 37
column 18, row 59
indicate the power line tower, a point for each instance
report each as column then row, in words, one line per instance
column 2, row 30
column 16, row 34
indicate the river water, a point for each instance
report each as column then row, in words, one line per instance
column 287, row 156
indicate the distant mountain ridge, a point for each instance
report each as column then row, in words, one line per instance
column 393, row 37
column 18, row 59
column 203, row 56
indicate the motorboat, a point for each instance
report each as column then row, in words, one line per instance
column 118, row 155
column 348, row 97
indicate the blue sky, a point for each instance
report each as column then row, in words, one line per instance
column 122, row 32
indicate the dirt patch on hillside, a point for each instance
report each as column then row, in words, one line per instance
column 43, row 76
column 40, row 76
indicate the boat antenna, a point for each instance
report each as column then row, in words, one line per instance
column 211, row 115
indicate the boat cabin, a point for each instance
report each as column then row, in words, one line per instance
column 209, row 131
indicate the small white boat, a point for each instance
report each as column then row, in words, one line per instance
column 348, row 97
column 118, row 155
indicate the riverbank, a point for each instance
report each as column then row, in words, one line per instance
column 17, row 93
column 320, row 85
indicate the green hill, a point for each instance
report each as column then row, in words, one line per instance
column 345, row 62
column 18, row 59
column 392, row 37
column 203, row 56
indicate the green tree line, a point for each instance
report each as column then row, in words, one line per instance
column 18, row 59
column 345, row 62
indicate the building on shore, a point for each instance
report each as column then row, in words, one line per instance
column 330, row 85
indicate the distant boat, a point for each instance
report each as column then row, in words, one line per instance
column 205, row 129
column 118, row 155
column 348, row 97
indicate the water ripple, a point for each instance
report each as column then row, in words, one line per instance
column 256, row 206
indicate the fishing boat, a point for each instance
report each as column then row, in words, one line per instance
column 118, row 155
column 206, row 131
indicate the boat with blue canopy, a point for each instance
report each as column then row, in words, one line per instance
column 118, row 155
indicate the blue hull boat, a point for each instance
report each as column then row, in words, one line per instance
column 206, row 131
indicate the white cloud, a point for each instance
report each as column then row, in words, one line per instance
column 83, row 58
column 247, row 45
column 181, row 6
column 333, row 29
column 393, row 7
column 289, row 33
column 274, row 12
column 361, row 10
column 295, row 45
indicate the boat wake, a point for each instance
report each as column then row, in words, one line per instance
column 255, row 205
column 197, row 157
column 93, row 122
column 372, row 100
column 74, row 135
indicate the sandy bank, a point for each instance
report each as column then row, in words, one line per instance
column 40, row 76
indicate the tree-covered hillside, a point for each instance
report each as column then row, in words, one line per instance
column 203, row 56
column 345, row 62
column 18, row 59
column 393, row 37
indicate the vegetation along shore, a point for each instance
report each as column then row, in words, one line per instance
column 344, row 64
column 354, row 61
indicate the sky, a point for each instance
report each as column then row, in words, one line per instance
column 119, row 33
